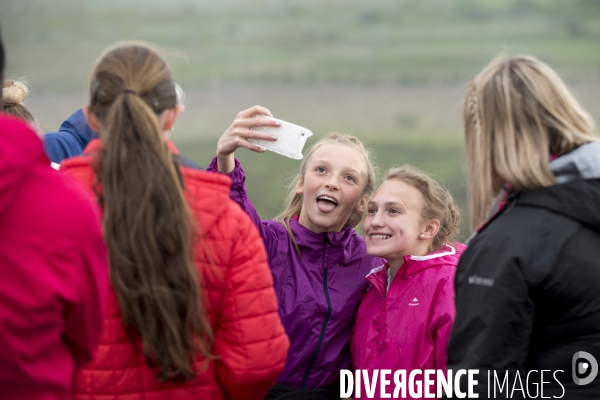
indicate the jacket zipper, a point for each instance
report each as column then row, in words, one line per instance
column 324, row 326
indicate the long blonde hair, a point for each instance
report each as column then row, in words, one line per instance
column 517, row 114
column 294, row 200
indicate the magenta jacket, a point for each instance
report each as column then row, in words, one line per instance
column 409, row 328
column 53, row 271
column 318, row 295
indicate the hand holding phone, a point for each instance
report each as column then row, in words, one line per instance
column 290, row 138
column 255, row 129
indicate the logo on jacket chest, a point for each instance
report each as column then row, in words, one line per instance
column 414, row 302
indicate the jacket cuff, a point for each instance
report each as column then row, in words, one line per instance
column 238, row 176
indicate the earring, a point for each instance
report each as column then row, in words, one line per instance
column 422, row 235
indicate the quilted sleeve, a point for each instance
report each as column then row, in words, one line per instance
column 249, row 336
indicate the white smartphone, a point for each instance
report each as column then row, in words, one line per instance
column 290, row 138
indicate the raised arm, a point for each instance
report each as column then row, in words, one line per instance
column 237, row 136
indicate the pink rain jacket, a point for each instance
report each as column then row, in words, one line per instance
column 53, row 271
column 407, row 326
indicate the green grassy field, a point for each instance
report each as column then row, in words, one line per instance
column 302, row 41
column 392, row 72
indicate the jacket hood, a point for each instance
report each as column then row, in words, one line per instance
column 21, row 150
column 577, row 193
column 580, row 163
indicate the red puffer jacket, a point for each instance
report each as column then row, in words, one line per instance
column 250, row 340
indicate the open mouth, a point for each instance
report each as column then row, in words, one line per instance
column 326, row 203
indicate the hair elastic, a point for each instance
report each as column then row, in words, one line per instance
column 129, row 91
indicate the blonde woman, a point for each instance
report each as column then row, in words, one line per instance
column 527, row 288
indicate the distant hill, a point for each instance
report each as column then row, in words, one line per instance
column 303, row 41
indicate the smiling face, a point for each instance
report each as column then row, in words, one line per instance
column 332, row 187
column 394, row 227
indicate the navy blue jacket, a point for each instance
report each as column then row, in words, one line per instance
column 70, row 140
column 72, row 137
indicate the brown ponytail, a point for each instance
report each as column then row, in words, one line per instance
column 148, row 226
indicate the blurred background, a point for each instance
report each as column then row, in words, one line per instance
column 392, row 72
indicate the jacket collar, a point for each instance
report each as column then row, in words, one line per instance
column 335, row 238
column 581, row 163
column 415, row 264
column 208, row 192
column 327, row 248
column 96, row 145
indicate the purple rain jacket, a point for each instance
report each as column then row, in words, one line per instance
column 318, row 295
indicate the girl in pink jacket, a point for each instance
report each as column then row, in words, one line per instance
column 405, row 318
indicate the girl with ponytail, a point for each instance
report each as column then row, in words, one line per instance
column 191, row 289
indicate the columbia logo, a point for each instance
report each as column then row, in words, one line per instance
column 414, row 302
column 477, row 280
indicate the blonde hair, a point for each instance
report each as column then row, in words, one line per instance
column 294, row 200
column 437, row 202
column 518, row 113
column 13, row 94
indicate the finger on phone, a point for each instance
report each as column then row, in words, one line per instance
column 252, row 134
column 255, row 110
column 253, row 147
column 263, row 122
column 265, row 136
